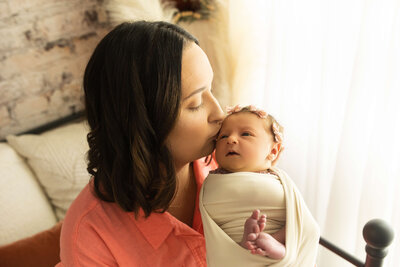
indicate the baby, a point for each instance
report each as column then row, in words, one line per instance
column 250, row 141
column 246, row 182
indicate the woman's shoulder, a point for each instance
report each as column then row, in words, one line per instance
column 78, row 231
column 84, row 204
column 87, row 210
column 90, row 230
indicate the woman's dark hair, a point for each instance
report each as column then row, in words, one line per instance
column 132, row 87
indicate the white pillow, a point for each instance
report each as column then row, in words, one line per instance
column 24, row 207
column 58, row 159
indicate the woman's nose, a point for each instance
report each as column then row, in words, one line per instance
column 216, row 113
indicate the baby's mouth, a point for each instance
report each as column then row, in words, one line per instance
column 231, row 153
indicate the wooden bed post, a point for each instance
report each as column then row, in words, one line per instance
column 378, row 235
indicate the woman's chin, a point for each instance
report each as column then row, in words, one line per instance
column 207, row 150
column 212, row 147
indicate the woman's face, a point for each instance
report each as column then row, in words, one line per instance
column 200, row 117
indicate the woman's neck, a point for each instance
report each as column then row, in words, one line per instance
column 183, row 172
column 182, row 206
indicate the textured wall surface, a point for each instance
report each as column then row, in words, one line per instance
column 44, row 48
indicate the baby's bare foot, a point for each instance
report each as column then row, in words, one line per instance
column 258, row 242
column 252, row 227
column 266, row 245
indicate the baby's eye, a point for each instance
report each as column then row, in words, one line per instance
column 246, row 134
column 223, row 136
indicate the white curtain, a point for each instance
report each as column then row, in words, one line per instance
column 330, row 72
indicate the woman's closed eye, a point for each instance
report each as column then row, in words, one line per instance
column 195, row 108
column 198, row 99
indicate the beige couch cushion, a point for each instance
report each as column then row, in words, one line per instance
column 24, row 208
column 58, row 159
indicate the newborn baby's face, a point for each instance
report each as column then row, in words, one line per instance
column 243, row 144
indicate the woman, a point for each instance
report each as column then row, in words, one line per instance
column 152, row 115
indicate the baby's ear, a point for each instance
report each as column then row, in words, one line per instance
column 275, row 153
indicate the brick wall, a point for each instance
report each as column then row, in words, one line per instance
column 44, row 48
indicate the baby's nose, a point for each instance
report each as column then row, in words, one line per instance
column 232, row 140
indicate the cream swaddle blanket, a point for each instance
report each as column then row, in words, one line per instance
column 227, row 200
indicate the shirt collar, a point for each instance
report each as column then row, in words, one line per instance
column 154, row 228
column 158, row 226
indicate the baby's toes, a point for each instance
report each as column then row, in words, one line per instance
column 260, row 251
column 250, row 245
column 261, row 226
column 252, row 237
column 262, row 222
column 256, row 214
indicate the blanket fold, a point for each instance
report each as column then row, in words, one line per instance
column 227, row 200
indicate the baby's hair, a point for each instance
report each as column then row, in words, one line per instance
column 272, row 125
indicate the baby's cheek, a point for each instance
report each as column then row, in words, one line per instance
column 218, row 154
column 218, row 147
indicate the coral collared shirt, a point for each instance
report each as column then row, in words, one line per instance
column 98, row 233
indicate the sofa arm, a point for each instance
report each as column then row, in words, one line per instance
column 41, row 250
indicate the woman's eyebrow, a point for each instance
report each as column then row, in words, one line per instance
column 195, row 92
